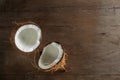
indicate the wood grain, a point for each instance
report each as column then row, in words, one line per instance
column 89, row 31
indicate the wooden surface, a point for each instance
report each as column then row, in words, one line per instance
column 88, row 29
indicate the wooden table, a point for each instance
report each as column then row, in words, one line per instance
column 88, row 29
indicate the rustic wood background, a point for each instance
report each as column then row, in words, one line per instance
column 88, row 29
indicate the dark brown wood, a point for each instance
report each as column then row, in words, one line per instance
column 88, row 29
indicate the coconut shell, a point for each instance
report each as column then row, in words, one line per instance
column 17, row 26
column 59, row 66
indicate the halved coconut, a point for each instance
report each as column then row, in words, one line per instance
column 27, row 37
column 52, row 58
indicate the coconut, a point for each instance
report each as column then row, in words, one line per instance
column 51, row 59
column 26, row 37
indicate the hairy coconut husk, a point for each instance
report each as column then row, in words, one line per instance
column 59, row 66
column 17, row 26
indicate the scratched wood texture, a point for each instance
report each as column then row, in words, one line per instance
column 88, row 29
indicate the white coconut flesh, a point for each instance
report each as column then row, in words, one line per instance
column 50, row 56
column 27, row 37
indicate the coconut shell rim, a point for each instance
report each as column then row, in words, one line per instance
column 14, row 30
column 53, row 68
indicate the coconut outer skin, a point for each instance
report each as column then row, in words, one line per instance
column 61, row 65
column 12, row 40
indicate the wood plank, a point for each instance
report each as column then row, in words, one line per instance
column 89, row 31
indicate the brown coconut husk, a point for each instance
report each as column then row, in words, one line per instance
column 61, row 65
column 17, row 26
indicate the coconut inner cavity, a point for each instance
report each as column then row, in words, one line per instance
column 50, row 54
column 28, row 37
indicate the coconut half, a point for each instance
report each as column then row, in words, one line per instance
column 52, row 58
column 27, row 37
